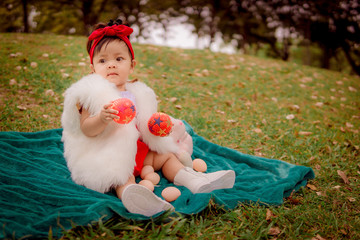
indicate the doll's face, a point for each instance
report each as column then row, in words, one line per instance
column 114, row 63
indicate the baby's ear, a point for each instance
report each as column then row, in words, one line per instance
column 133, row 63
column 92, row 68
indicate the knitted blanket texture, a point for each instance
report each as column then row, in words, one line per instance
column 37, row 191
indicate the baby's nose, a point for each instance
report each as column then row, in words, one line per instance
column 111, row 64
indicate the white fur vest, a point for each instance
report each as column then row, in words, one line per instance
column 108, row 159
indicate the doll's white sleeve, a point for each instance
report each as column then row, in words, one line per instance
column 146, row 104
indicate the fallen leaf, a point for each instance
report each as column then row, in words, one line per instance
column 21, row 107
column 231, row 121
column 45, row 55
column 173, row 99
column 290, row 116
column 274, row 231
column 303, row 133
column 205, row 72
column 248, row 104
column 295, row 107
column 351, row 199
column 343, row 176
column 49, row 92
column 219, row 111
column 349, row 125
column 159, row 64
column 318, row 237
column 12, row 82
column 351, row 89
column 306, row 79
column 257, row 130
column 231, row 67
column 269, row 215
column 339, row 83
column 312, row 187
column 33, row 64
column 178, row 106
column 319, row 104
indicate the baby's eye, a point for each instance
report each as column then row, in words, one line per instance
column 102, row 60
column 119, row 59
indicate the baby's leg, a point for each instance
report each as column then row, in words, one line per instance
column 138, row 199
column 120, row 189
column 168, row 163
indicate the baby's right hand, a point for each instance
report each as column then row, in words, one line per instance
column 107, row 114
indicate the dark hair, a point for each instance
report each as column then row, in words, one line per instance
column 106, row 40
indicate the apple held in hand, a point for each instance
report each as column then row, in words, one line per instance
column 126, row 109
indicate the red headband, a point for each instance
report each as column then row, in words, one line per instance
column 121, row 31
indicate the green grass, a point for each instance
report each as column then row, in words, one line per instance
column 237, row 101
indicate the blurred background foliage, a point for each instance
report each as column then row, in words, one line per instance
column 318, row 33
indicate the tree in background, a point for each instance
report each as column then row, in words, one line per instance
column 333, row 26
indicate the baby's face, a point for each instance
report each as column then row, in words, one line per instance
column 114, row 63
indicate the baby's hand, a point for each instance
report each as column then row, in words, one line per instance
column 107, row 114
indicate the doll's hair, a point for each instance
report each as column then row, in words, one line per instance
column 107, row 39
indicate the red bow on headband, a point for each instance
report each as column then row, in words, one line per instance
column 121, row 31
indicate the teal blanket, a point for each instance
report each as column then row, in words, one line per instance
column 37, row 191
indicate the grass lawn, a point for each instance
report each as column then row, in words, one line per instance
column 263, row 107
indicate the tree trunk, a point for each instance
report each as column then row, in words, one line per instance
column 25, row 19
column 346, row 49
column 325, row 61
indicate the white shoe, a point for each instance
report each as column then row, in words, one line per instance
column 139, row 199
column 198, row 182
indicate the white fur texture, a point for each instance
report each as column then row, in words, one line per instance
column 146, row 104
column 108, row 159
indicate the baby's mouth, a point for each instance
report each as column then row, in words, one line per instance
column 113, row 74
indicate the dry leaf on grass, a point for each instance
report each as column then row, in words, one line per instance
column 21, row 107
column 318, row 237
column 274, row 231
column 312, row 187
column 257, row 130
column 12, row 82
column 173, row 99
column 290, row 116
column 303, row 133
column 269, row 215
column 319, row 104
column 351, row 89
column 343, row 176
column 49, row 92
